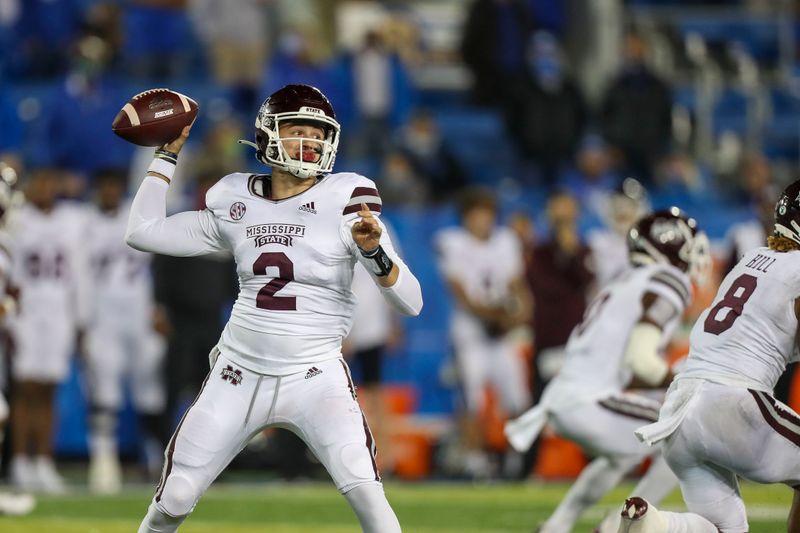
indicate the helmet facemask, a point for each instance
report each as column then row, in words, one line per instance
column 270, row 149
column 700, row 263
column 787, row 213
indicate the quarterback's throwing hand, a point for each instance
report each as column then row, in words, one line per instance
column 175, row 145
column 367, row 231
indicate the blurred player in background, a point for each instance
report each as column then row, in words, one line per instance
column 121, row 342
column 376, row 330
column 619, row 345
column 720, row 420
column 609, row 246
column 484, row 267
column 296, row 235
column 10, row 200
column 48, row 248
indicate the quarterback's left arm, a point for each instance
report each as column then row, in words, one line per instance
column 375, row 251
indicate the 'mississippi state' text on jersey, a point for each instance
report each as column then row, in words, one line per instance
column 294, row 259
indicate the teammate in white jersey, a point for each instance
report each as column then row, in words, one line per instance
column 121, row 343
column 10, row 201
column 619, row 345
column 491, row 299
column 296, row 235
column 50, row 266
column 609, row 244
column 719, row 419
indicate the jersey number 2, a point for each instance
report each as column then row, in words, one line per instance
column 266, row 298
column 739, row 292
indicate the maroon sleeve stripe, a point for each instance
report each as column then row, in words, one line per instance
column 357, row 207
column 364, row 191
column 679, row 290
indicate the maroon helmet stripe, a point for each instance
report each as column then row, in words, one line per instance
column 784, row 422
column 356, row 208
column 370, row 442
column 631, row 409
column 171, row 446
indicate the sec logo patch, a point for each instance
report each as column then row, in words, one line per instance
column 238, row 210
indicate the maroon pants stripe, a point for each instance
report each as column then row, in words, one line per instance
column 370, row 442
column 782, row 421
column 171, row 447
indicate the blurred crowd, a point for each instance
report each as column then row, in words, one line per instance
column 67, row 67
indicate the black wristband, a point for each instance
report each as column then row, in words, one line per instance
column 377, row 261
column 166, row 155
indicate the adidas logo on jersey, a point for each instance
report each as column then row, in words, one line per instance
column 313, row 371
column 309, row 207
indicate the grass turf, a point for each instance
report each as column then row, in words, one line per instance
column 318, row 508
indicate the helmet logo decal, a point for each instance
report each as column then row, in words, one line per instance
column 782, row 209
column 312, row 110
column 665, row 231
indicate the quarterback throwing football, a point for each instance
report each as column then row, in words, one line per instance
column 296, row 235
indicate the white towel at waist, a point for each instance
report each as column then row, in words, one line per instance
column 523, row 430
column 676, row 405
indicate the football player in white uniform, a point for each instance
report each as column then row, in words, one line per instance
column 49, row 256
column 491, row 299
column 121, row 343
column 719, row 419
column 609, row 244
column 10, row 201
column 617, row 346
column 296, row 235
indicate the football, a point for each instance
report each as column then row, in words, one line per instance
column 154, row 117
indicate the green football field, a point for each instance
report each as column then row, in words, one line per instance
column 317, row 507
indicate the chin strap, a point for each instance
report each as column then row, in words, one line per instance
column 260, row 156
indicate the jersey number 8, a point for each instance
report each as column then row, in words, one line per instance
column 739, row 292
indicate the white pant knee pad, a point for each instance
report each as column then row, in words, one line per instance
column 179, row 496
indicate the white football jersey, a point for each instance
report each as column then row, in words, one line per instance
column 609, row 255
column 484, row 268
column 122, row 284
column 748, row 334
column 594, row 363
column 295, row 259
column 50, row 264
